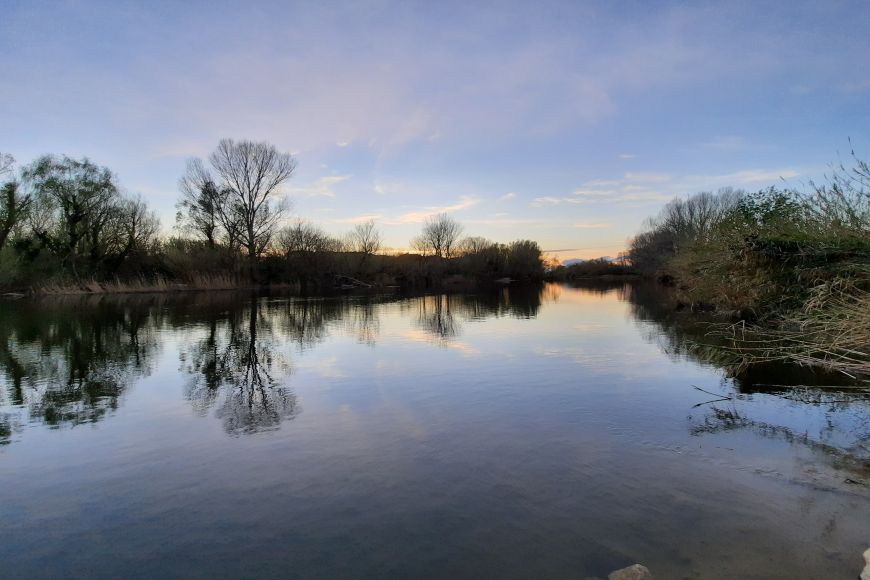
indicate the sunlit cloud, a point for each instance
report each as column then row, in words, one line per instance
column 420, row 216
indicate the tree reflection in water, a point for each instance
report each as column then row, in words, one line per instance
column 64, row 370
column 442, row 315
column 69, row 361
column 238, row 368
column 435, row 316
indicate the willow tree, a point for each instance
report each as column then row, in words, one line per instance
column 13, row 203
column 78, row 201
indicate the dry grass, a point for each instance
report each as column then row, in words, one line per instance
column 832, row 331
column 142, row 285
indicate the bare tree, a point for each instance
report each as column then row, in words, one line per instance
column 679, row 223
column 440, row 236
column 365, row 238
column 252, row 173
column 475, row 245
column 139, row 226
column 421, row 245
column 302, row 237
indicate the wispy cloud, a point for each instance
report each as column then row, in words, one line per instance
column 547, row 200
column 410, row 217
column 506, row 221
column 647, row 177
column 592, row 226
column 419, row 216
column 640, row 188
column 357, row 219
column 322, row 187
column 748, row 176
column 509, row 195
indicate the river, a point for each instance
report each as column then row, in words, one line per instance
column 552, row 432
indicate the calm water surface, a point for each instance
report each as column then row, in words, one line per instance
column 543, row 433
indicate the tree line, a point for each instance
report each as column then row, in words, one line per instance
column 67, row 221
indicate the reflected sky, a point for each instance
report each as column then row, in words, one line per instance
column 537, row 432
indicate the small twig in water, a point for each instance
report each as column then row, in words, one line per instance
column 723, row 397
column 708, row 402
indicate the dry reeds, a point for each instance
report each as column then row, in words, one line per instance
column 193, row 282
column 832, row 331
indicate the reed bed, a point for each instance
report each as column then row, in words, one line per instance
column 831, row 331
column 194, row 282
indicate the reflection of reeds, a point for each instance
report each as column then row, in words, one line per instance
column 853, row 457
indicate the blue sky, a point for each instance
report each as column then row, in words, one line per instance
column 563, row 122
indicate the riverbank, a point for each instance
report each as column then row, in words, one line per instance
column 202, row 283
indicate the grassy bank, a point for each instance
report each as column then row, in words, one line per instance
column 791, row 267
column 198, row 268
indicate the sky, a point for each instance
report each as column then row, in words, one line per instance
column 563, row 122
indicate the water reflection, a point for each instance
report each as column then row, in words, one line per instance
column 436, row 316
column 239, row 368
column 61, row 368
column 69, row 361
column 841, row 402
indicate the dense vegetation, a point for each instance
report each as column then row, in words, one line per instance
column 795, row 264
column 66, row 225
column 597, row 268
